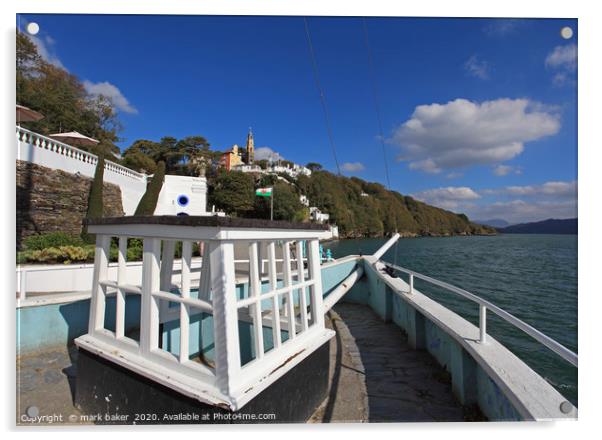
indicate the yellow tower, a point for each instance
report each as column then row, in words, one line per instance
column 250, row 153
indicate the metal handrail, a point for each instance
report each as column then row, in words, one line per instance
column 548, row 342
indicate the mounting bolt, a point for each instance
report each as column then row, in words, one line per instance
column 566, row 407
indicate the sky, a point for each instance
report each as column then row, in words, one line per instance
column 478, row 116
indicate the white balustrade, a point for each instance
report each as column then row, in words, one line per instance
column 262, row 326
column 61, row 148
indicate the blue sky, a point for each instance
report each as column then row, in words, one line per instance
column 479, row 115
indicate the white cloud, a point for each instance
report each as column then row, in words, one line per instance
column 266, row 153
column 503, row 26
column 515, row 204
column 426, row 165
column 502, row 170
column 462, row 133
column 520, row 211
column 45, row 47
column 555, row 189
column 563, row 60
column 477, row 67
column 454, row 175
column 563, row 57
column 353, row 167
column 111, row 92
column 450, row 197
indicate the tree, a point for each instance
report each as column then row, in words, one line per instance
column 233, row 192
column 95, row 199
column 63, row 100
column 313, row 166
column 180, row 156
column 262, row 163
column 148, row 202
column 140, row 162
column 287, row 205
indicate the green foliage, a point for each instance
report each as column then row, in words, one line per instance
column 314, row 166
column 180, row 156
column 95, row 199
column 63, row 100
column 263, row 164
column 286, row 204
column 233, row 192
column 51, row 239
column 60, row 254
column 140, row 162
column 362, row 208
column 148, row 202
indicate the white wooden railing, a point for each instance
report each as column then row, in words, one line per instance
column 288, row 307
column 485, row 305
column 71, row 152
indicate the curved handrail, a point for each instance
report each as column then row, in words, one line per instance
column 540, row 337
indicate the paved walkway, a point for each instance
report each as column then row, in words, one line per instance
column 380, row 378
column 45, row 387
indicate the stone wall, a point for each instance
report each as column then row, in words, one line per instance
column 51, row 200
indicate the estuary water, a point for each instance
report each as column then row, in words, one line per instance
column 534, row 277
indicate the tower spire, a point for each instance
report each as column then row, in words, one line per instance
column 250, row 147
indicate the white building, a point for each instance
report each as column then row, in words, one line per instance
column 248, row 168
column 183, row 195
column 317, row 215
column 293, row 171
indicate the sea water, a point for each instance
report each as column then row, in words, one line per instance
column 533, row 277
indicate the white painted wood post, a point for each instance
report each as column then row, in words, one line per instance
column 288, row 281
column 149, row 316
column 120, row 295
column 98, row 300
column 482, row 324
column 205, row 281
column 255, row 292
column 166, row 271
column 167, row 256
column 23, row 285
column 225, row 315
column 315, row 273
column 275, row 300
column 302, row 291
column 411, row 284
column 184, row 309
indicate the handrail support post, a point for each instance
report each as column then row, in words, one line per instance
column 482, row 324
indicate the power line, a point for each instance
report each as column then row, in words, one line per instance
column 314, row 66
column 375, row 100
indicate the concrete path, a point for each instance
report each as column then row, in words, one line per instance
column 381, row 379
column 45, row 387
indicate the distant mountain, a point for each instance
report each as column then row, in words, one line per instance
column 495, row 222
column 550, row 226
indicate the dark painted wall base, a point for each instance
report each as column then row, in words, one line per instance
column 114, row 395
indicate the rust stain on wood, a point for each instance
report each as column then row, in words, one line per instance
column 286, row 362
